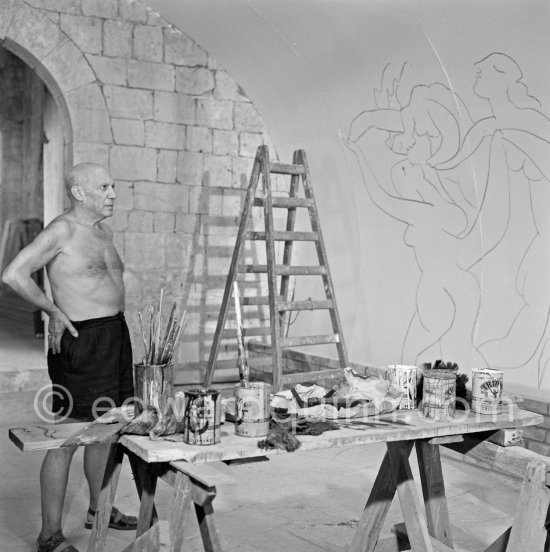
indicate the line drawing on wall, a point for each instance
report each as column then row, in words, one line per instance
column 461, row 188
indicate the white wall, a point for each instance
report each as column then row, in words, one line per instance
column 419, row 276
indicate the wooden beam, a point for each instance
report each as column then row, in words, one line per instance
column 528, row 531
column 509, row 460
column 433, row 489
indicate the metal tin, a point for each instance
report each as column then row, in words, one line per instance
column 439, row 394
column 201, row 417
column 403, row 378
column 252, row 409
column 487, row 390
column 153, row 385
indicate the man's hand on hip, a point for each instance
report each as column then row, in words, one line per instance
column 57, row 324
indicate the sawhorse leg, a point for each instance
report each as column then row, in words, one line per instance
column 411, row 506
column 528, row 530
column 376, row 509
column 145, row 485
column 106, row 499
column 433, row 489
column 187, row 490
column 425, row 532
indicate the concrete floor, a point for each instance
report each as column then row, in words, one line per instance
column 308, row 501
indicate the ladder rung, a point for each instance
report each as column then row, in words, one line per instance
column 284, row 168
column 257, row 300
column 305, row 305
column 302, row 341
column 252, row 361
column 292, row 379
column 285, row 202
column 283, row 270
column 283, row 236
column 314, row 375
column 248, row 332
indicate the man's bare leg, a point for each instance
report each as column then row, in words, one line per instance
column 95, row 459
column 54, row 475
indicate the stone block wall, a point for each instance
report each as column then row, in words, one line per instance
column 175, row 130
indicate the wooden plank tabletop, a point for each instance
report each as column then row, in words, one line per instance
column 43, row 437
column 402, row 425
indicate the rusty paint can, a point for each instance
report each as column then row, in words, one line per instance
column 153, row 386
column 252, row 410
column 487, row 390
column 403, row 378
column 201, row 416
column 439, row 394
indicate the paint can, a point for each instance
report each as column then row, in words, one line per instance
column 487, row 390
column 153, row 387
column 252, row 409
column 403, row 378
column 201, row 416
column 439, row 394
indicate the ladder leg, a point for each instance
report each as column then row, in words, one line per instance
column 321, row 253
column 271, row 275
column 249, row 200
column 289, row 246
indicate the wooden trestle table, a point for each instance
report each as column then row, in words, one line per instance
column 426, row 517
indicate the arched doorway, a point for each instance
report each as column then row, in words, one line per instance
column 32, row 160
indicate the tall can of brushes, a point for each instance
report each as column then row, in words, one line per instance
column 154, row 386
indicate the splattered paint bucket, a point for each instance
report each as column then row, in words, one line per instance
column 439, row 394
column 201, row 417
column 487, row 390
column 403, row 378
column 153, row 385
column 252, row 409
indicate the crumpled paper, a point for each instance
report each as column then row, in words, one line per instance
column 377, row 396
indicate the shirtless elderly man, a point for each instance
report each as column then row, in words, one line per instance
column 90, row 355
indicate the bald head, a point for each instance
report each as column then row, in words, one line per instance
column 80, row 175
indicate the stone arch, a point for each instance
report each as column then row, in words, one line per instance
column 177, row 133
column 58, row 61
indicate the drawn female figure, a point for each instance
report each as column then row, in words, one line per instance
column 447, row 296
column 526, row 130
column 437, row 212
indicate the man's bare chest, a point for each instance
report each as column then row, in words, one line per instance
column 88, row 256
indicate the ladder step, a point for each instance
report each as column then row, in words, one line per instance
column 306, row 305
column 309, row 304
column 283, row 236
column 252, row 301
column 248, row 332
column 283, row 270
column 302, row 341
column 299, row 377
column 252, row 361
column 284, row 168
column 285, row 202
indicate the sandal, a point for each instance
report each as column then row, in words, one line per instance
column 56, row 543
column 118, row 520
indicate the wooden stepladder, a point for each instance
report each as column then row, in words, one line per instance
column 279, row 271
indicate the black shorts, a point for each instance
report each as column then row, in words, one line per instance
column 94, row 368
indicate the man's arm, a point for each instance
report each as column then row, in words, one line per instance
column 30, row 259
